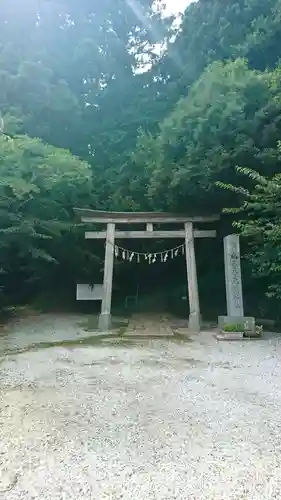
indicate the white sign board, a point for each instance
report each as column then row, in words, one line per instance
column 89, row 292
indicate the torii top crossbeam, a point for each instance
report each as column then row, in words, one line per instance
column 96, row 216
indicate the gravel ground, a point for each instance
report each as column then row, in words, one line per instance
column 155, row 419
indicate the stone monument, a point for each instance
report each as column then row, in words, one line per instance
column 233, row 279
column 233, row 283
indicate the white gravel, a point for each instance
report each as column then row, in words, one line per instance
column 156, row 420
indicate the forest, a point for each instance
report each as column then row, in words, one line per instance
column 114, row 106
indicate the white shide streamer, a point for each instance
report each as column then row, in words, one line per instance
column 151, row 258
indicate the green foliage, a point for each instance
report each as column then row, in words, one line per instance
column 62, row 65
column 230, row 116
column 235, row 327
column 218, row 30
column 39, row 185
column 259, row 216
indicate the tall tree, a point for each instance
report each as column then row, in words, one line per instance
column 39, row 185
column 258, row 217
column 231, row 116
column 221, row 30
column 58, row 59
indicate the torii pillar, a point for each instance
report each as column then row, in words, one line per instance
column 193, row 296
column 105, row 315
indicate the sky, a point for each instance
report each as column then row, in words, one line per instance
column 175, row 6
column 172, row 7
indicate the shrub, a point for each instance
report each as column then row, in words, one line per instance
column 239, row 327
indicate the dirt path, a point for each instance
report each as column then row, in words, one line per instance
column 153, row 417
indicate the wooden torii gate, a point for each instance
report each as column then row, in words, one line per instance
column 188, row 233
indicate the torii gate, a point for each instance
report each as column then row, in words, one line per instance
column 188, row 233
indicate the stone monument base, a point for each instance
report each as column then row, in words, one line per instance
column 247, row 321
